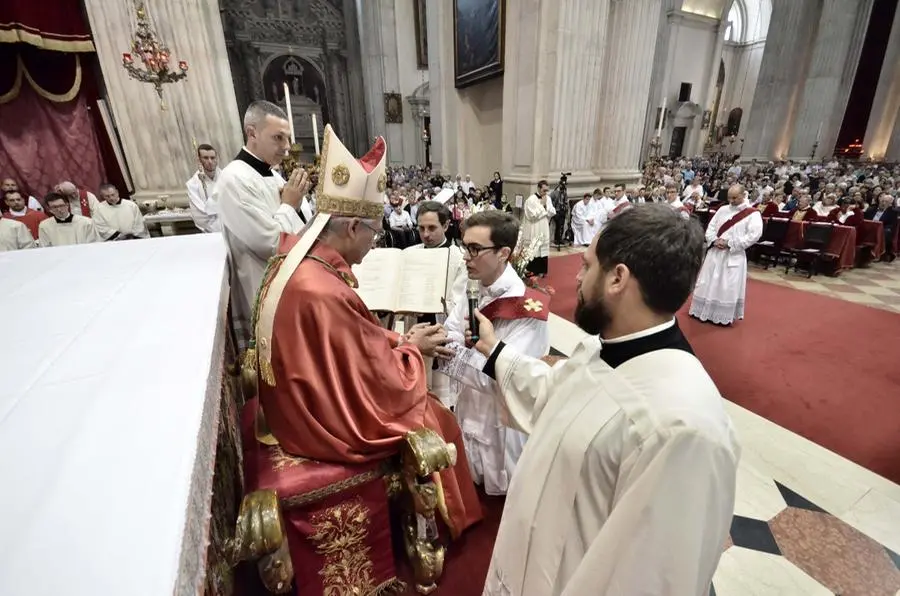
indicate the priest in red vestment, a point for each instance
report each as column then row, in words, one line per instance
column 334, row 385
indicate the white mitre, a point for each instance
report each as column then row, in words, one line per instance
column 348, row 187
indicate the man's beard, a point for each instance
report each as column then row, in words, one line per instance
column 591, row 318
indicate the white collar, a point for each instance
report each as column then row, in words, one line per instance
column 19, row 213
column 506, row 281
column 639, row 334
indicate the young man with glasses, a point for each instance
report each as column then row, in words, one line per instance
column 65, row 227
column 520, row 316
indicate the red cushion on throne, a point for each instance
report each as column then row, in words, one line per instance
column 337, row 516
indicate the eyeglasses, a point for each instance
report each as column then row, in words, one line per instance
column 473, row 250
column 379, row 234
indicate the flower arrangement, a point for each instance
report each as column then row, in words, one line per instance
column 521, row 257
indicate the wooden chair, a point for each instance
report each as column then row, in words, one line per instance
column 770, row 248
column 816, row 237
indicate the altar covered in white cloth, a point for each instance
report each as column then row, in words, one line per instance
column 115, row 411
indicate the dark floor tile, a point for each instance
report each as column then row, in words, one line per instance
column 794, row 500
column 753, row 534
column 555, row 352
column 894, row 557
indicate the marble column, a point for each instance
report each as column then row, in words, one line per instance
column 552, row 85
column 159, row 144
column 835, row 56
column 882, row 140
column 356, row 87
column 439, row 51
column 783, row 71
column 626, row 88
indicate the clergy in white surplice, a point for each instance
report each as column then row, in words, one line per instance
column 116, row 219
column 722, row 284
column 627, row 481
column 520, row 317
column 64, row 227
column 538, row 212
column 256, row 206
column 14, row 235
column 587, row 219
column 201, row 188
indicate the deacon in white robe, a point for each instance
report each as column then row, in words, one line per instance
column 256, row 207
column 721, row 288
column 201, row 188
column 491, row 447
column 118, row 219
column 626, row 485
column 539, row 210
column 14, row 235
column 583, row 220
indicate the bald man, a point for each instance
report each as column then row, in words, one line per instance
column 722, row 284
column 81, row 201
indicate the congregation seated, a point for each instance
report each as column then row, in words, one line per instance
column 803, row 211
column 768, row 207
column 401, row 226
column 885, row 212
column 847, row 214
column 825, row 207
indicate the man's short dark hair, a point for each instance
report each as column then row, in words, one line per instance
column 542, row 183
column 204, row 147
column 662, row 250
column 619, row 187
column 54, row 196
column 12, row 192
column 504, row 227
column 107, row 186
column 443, row 213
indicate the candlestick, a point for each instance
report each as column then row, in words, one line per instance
column 819, row 133
column 315, row 134
column 662, row 116
column 290, row 116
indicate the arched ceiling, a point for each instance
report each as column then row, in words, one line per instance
column 755, row 14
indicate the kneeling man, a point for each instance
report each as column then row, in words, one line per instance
column 520, row 316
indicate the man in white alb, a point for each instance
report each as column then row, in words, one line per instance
column 117, row 219
column 539, row 210
column 626, row 485
column 14, row 235
column 64, row 227
column 722, row 284
column 256, row 206
column 584, row 217
column 520, row 316
column 201, row 188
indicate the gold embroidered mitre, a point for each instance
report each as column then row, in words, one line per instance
column 351, row 187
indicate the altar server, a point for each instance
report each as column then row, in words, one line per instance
column 65, row 227
column 627, row 482
column 584, row 219
column 256, row 206
column 722, row 284
column 520, row 317
column 538, row 212
column 14, row 235
column 201, row 188
column 116, row 219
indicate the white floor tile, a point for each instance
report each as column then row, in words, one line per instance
column 744, row 572
column 878, row 517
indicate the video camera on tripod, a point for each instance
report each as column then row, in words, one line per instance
column 560, row 196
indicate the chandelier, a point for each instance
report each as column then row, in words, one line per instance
column 154, row 55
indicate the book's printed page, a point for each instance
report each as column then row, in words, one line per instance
column 424, row 281
column 379, row 278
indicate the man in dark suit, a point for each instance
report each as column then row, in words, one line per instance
column 884, row 212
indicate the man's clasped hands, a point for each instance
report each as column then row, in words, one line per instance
column 432, row 340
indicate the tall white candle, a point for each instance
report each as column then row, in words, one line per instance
column 287, row 104
column 819, row 132
column 315, row 134
column 662, row 116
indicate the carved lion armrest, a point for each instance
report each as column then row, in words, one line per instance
column 422, row 456
column 260, row 536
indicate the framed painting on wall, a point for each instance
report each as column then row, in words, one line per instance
column 393, row 108
column 478, row 31
column 421, row 34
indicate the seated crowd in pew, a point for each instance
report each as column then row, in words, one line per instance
column 67, row 215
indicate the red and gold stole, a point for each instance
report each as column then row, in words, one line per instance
column 742, row 214
column 85, row 205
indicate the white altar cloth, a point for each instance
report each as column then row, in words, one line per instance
column 109, row 377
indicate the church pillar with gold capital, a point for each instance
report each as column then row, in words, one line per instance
column 553, row 77
column 160, row 144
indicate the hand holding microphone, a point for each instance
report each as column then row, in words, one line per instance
column 473, row 288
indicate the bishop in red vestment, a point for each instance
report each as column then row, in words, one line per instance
column 334, row 385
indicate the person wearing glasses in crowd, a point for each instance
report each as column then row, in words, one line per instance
column 519, row 315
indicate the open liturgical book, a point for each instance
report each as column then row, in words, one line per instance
column 411, row 281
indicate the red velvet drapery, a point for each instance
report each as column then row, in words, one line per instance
column 57, row 25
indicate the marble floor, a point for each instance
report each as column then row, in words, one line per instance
column 806, row 520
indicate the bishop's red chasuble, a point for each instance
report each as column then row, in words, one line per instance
column 345, row 391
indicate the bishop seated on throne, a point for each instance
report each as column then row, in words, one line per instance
column 343, row 421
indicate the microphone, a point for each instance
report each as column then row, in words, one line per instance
column 472, row 294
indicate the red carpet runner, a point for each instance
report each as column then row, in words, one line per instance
column 824, row 368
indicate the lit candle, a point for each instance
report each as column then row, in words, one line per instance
column 287, row 103
column 127, row 59
column 315, row 134
column 662, row 116
column 819, row 132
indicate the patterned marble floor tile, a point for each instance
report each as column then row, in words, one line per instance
column 744, row 572
column 861, row 298
column 879, row 291
column 834, row 554
column 757, row 495
column 877, row 516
